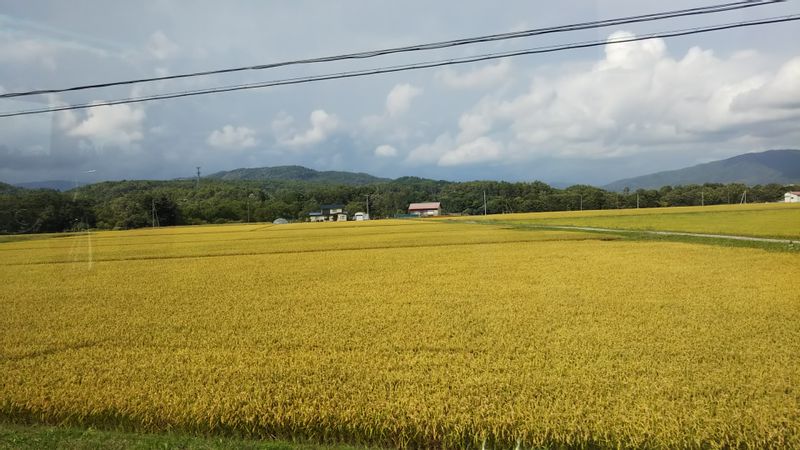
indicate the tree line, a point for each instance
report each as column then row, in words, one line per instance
column 136, row 204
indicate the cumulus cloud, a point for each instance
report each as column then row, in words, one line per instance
column 322, row 125
column 232, row 138
column 631, row 55
column 474, row 124
column 385, row 151
column 430, row 153
column 399, row 99
column 63, row 120
column 114, row 125
column 636, row 99
column 160, row 46
column 393, row 124
column 639, row 97
column 485, row 76
column 482, row 149
column 777, row 96
column 470, row 146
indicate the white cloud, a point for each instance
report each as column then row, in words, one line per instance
column 393, row 124
column 470, row 146
column 482, row 149
column 485, row 76
column 385, row 151
column 446, row 151
column 474, row 125
column 399, row 99
column 232, row 138
column 776, row 96
column 636, row 99
column 322, row 125
column 631, row 55
column 160, row 46
column 114, row 125
column 64, row 120
column 282, row 125
column 430, row 153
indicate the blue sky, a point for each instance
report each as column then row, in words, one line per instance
column 590, row 116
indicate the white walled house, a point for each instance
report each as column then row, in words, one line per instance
column 792, row 197
column 329, row 213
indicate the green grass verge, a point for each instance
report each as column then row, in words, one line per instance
column 16, row 436
column 758, row 220
column 34, row 236
column 633, row 235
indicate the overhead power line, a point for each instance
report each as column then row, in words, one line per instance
column 407, row 67
column 421, row 47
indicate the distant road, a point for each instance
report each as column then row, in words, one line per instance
column 672, row 233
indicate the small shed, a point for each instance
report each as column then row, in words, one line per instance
column 360, row 216
column 792, row 197
column 280, row 221
column 427, row 209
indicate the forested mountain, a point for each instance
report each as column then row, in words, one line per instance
column 297, row 173
column 7, row 188
column 772, row 166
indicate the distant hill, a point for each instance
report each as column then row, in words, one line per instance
column 772, row 166
column 7, row 188
column 298, row 173
column 58, row 185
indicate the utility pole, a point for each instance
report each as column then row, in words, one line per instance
column 197, row 185
column 581, row 197
column 484, row 203
column 637, row 200
column 154, row 213
column 367, row 195
column 702, row 198
column 249, row 198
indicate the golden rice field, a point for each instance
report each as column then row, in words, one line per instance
column 409, row 334
column 778, row 220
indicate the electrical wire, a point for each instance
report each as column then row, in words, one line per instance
column 421, row 47
column 407, row 67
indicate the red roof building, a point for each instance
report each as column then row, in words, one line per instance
column 425, row 209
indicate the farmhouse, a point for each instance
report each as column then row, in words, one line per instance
column 425, row 209
column 328, row 213
column 792, row 197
